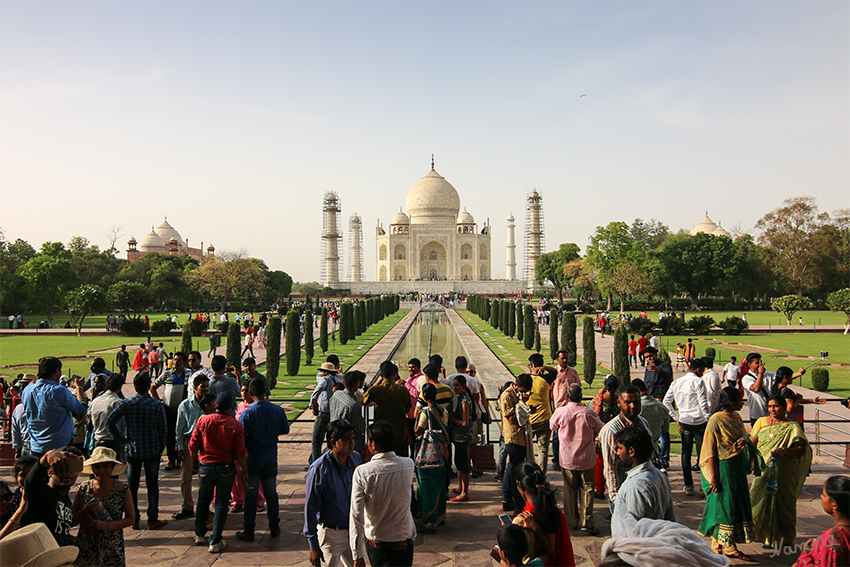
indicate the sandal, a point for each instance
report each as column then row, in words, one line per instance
column 456, row 490
column 459, row 499
column 741, row 556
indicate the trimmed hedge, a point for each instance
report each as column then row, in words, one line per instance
column 820, row 379
column 589, row 343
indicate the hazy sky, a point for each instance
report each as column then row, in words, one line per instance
column 234, row 118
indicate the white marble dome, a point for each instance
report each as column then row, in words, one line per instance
column 167, row 232
column 433, row 200
column 401, row 218
column 151, row 240
column 465, row 218
column 705, row 225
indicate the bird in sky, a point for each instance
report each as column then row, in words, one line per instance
column 583, row 95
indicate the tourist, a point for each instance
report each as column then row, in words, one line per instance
column 731, row 372
column 655, row 414
column 474, row 388
column 263, row 423
column 140, row 361
column 680, row 357
column 512, row 547
column 642, row 344
column 657, row 377
column 328, row 500
column 633, row 345
column 543, row 521
column 146, row 429
column 20, row 434
column 784, row 444
column 690, row 352
column 628, row 400
column 784, row 377
column 516, row 440
column 391, row 405
column 249, row 372
column 46, row 491
column 154, row 362
column 380, row 523
column 712, row 382
column 832, row 548
column 725, row 461
column 345, row 406
column 462, row 417
column 99, row 410
column 566, row 376
column 410, row 384
column 756, row 386
column 218, row 440
column 431, row 482
column 540, row 402
column 645, row 492
column 49, row 408
column 222, row 383
column 98, row 366
column 319, row 403
column 577, row 426
column 194, row 363
column 103, row 507
column 23, row 466
column 445, row 394
column 688, row 392
column 605, row 406
column 188, row 414
column 249, row 340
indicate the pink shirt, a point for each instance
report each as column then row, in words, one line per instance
column 577, row 426
column 410, row 384
column 566, row 376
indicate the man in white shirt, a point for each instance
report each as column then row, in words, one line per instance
column 689, row 394
column 755, row 384
column 731, row 372
column 654, row 342
column 100, row 408
column 713, row 384
column 380, row 523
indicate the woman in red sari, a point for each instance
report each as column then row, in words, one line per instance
column 832, row 548
column 544, row 523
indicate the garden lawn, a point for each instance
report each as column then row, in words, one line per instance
column 794, row 350
column 98, row 320
column 511, row 351
column 773, row 318
column 294, row 391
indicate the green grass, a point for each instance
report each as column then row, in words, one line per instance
column 794, row 350
column 98, row 320
column 772, row 318
column 301, row 385
column 511, row 351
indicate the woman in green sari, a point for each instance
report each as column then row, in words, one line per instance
column 775, row 515
column 431, row 482
column 726, row 458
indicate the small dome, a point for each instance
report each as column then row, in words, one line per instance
column 720, row 231
column 355, row 218
column 706, row 225
column 433, row 200
column 167, row 232
column 400, row 218
column 132, row 240
column 465, row 218
column 210, row 248
column 152, row 240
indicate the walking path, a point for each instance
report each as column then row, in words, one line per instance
column 470, row 529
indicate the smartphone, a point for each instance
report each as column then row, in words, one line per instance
column 505, row 519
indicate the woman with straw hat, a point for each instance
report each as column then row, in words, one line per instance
column 35, row 545
column 103, row 507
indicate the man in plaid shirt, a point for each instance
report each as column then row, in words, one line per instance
column 144, row 418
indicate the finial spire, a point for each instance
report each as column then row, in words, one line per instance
column 706, row 212
column 432, row 162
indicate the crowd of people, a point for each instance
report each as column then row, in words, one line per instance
column 371, row 490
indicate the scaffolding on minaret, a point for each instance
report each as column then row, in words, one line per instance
column 331, row 259
column 355, row 247
column 534, row 234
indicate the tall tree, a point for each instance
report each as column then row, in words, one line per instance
column 568, row 336
column 308, row 337
column 233, row 348
column 49, row 276
column 610, row 246
column 589, row 354
column 621, row 354
column 293, row 343
column 550, row 267
column 530, row 323
column 553, row 334
column 128, row 296
column 186, row 340
column 511, row 319
column 790, row 235
column 273, row 351
column 520, row 322
column 323, row 331
column 494, row 314
column 839, row 300
column 790, row 304
column 85, row 299
column 697, row 264
column 222, row 278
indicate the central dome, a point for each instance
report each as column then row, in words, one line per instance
column 433, row 201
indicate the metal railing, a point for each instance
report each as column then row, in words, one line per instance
column 822, row 424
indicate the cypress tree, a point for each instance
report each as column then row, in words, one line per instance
column 308, row 337
column 511, row 319
column 293, row 343
column 323, row 331
column 186, row 346
column 589, row 343
column 234, row 346
column 485, row 309
column 359, row 321
column 273, row 351
column 553, row 334
column 503, row 316
column 494, row 314
column 537, row 338
column 530, row 322
column 520, row 323
column 343, row 323
column 350, row 327
column 621, row 354
column 568, row 336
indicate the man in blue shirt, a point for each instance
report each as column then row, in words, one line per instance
column 320, row 404
column 49, row 407
column 327, row 505
column 188, row 414
column 263, row 423
column 177, row 386
column 146, row 425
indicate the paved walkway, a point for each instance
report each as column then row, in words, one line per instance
column 470, row 528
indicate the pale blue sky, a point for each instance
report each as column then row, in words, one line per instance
column 234, row 118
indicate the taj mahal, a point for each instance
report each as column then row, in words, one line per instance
column 433, row 247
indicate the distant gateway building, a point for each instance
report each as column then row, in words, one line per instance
column 164, row 239
column 434, row 247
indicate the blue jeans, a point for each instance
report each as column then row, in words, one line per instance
column 664, row 445
column 134, row 476
column 556, row 451
column 268, row 476
column 690, row 433
column 214, row 478
column 510, row 495
column 320, row 429
column 500, row 466
column 633, row 360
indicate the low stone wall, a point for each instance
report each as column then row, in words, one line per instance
column 481, row 287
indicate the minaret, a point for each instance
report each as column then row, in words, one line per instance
column 534, row 234
column 355, row 243
column 511, row 263
column 331, row 239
